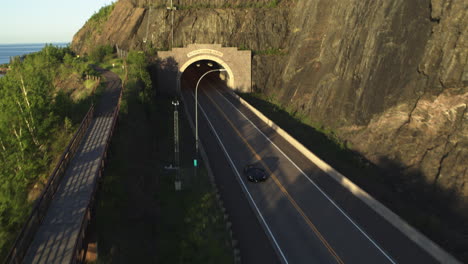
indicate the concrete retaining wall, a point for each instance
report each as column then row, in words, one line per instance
column 430, row 247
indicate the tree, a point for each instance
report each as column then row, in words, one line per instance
column 32, row 110
column 138, row 68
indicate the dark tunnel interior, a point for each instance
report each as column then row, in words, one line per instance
column 192, row 74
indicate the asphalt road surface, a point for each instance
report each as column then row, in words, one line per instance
column 300, row 214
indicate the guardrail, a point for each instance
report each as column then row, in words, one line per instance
column 80, row 247
column 25, row 237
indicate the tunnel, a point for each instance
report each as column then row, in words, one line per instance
column 212, row 80
column 179, row 65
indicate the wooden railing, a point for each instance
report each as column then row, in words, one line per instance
column 25, row 237
column 80, row 248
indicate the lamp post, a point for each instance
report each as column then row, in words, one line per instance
column 177, row 182
column 196, row 115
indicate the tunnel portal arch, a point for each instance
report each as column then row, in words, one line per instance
column 237, row 63
column 231, row 81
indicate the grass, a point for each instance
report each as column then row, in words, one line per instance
column 192, row 228
column 321, row 139
column 325, row 143
column 407, row 195
column 115, row 65
column 84, row 93
column 140, row 217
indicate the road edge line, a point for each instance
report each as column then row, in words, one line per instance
column 414, row 235
column 212, row 180
column 258, row 215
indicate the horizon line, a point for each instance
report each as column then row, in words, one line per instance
column 45, row 42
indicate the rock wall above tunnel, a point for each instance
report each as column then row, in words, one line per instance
column 236, row 62
column 389, row 76
column 134, row 27
column 346, row 64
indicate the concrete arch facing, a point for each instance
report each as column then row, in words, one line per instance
column 173, row 63
column 231, row 81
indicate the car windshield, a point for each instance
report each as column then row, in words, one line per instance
column 257, row 173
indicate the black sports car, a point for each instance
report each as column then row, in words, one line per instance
column 254, row 173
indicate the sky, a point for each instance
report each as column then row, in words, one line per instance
column 44, row 21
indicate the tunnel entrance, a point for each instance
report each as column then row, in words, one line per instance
column 213, row 79
column 177, row 66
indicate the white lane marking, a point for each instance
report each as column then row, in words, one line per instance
column 243, row 184
column 313, row 183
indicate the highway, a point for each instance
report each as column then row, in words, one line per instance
column 306, row 216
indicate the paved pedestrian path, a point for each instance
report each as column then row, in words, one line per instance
column 56, row 237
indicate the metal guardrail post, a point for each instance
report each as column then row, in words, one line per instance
column 26, row 235
column 79, row 254
column 23, row 240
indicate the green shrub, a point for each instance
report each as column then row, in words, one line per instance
column 102, row 15
column 273, row 3
column 100, row 53
column 138, row 71
column 34, row 116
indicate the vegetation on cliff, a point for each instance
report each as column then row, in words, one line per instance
column 100, row 17
column 100, row 53
column 96, row 23
column 246, row 4
column 433, row 213
column 391, row 84
column 42, row 99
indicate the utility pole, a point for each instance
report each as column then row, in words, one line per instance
column 147, row 24
column 177, row 183
column 172, row 8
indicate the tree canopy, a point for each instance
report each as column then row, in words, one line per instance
column 33, row 111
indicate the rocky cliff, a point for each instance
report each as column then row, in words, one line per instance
column 390, row 76
column 137, row 24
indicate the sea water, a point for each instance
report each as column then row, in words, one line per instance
column 12, row 50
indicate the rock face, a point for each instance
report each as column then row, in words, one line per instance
column 390, row 76
column 132, row 26
column 122, row 24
